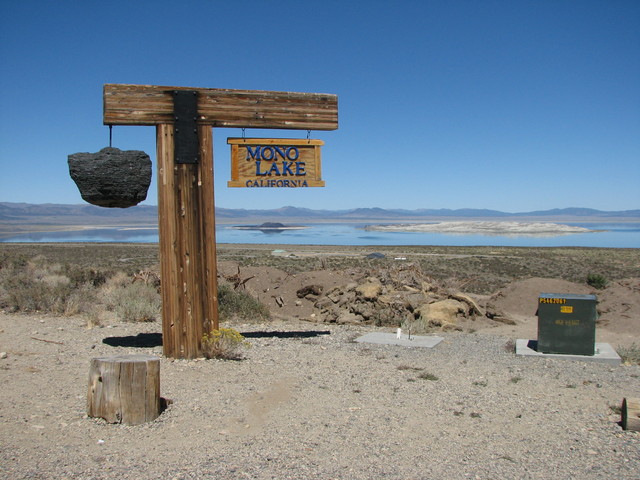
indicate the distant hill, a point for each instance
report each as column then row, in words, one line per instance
column 581, row 212
column 52, row 213
column 18, row 216
column 365, row 214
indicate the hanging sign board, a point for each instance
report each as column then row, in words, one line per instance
column 275, row 163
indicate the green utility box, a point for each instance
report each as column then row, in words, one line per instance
column 567, row 323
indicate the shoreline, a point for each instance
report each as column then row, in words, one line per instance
column 504, row 232
column 502, row 228
column 435, row 226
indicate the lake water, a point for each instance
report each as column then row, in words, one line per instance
column 615, row 235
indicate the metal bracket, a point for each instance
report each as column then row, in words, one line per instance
column 185, row 128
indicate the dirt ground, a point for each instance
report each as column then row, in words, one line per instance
column 307, row 401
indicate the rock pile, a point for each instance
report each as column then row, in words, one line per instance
column 400, row 296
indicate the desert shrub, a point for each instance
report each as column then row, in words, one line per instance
column 12, row 261
column 224, row 343
column 115, row 281
column 630, row 354
column 238, row 304
column 23, row 293
column 81, row 275
column 596, row 280
column 93, row 316
column 132, row 302
column 81, row 299
column 35, row 287
column 416, row 326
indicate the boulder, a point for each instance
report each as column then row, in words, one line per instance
column 323, row 303
column 335, row 294
column 309, row 290
column 414, row 300
column 474, row 308
column 346, row 317
column 347, row 298
column 388, row 299
column 111, row 177
column 442, row 313
column 370, row 290
column 428, row 286
column 366, row 310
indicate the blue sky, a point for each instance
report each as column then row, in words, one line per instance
column 509, row 105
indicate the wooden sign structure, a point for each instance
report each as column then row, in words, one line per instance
column 186, row 207
column 275, row 163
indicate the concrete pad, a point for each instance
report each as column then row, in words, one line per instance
column 604, row 353
column 404, row 341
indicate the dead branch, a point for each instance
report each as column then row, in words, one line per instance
column 48, row 341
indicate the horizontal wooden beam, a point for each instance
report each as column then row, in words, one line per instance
column 153, row 105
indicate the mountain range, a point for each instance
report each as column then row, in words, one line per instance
column 83, row 214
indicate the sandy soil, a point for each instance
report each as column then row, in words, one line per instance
column 309, row 402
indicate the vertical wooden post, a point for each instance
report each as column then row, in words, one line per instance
column 187, row 245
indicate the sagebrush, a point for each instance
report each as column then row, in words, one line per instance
column 31, row 286
column 239, row 304
column 225, row 343
column 631, row 354
column 36, row 284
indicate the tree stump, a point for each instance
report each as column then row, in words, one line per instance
column 631, row 414
column 124, row 389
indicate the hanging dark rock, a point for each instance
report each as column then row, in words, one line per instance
column 111, row 177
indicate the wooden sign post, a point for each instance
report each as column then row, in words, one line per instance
column 186, row 207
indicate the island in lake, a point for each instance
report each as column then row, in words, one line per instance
column 269, row 227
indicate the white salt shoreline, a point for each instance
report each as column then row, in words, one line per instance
column 533, row 229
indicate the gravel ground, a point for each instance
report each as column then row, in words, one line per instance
column 312, row 403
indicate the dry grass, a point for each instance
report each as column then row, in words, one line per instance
column 479, row 269
column 86, row 280
column 38, row 286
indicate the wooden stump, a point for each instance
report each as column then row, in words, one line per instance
column 631, row 414
column 124, row 389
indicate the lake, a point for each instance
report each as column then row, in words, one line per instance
column 614, row 235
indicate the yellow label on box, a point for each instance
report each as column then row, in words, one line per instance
column 568, row 322
column 566, row 309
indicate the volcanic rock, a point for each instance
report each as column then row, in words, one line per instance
column 111, row 177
